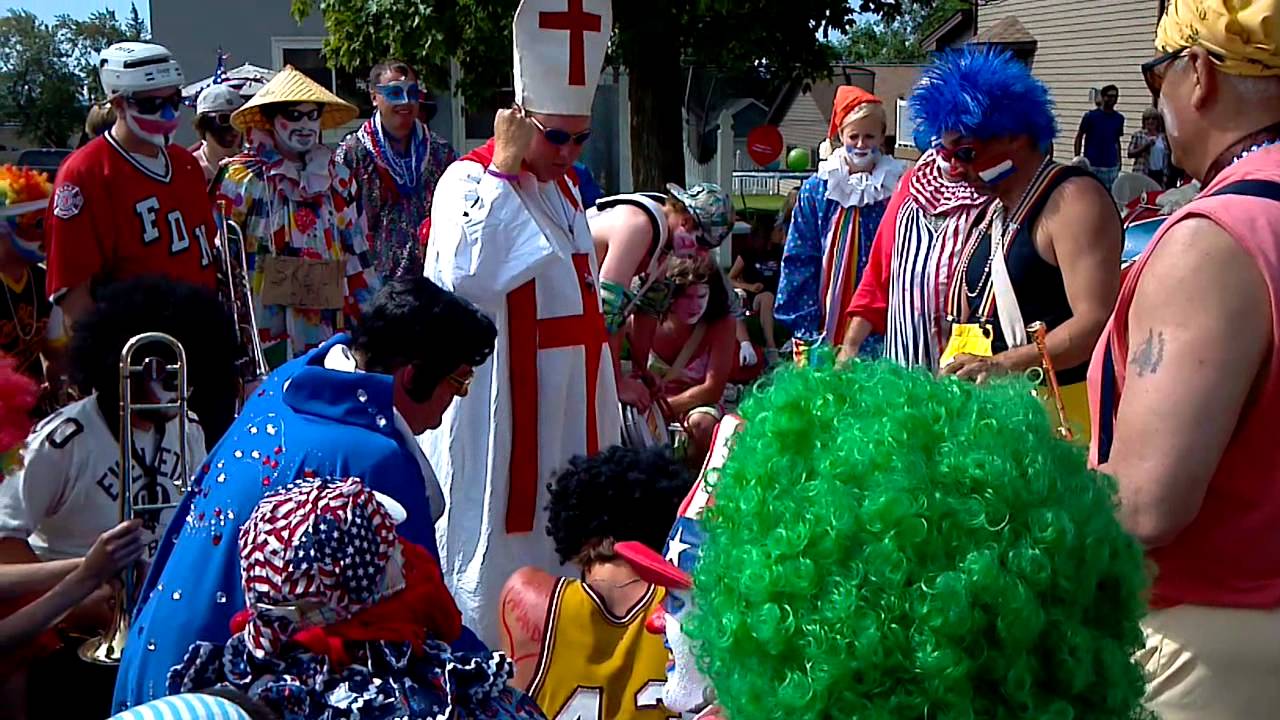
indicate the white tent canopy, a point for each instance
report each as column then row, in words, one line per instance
column 246, row 80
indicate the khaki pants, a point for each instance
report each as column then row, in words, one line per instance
column 1212, row 663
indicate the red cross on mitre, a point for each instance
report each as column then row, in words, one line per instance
column 577, row 22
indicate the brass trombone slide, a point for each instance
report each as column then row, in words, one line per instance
column 108, row 648
column 240, row 295
column 1039, row 333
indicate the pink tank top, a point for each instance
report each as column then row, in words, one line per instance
column 1229, row 556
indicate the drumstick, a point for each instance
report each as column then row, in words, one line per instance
column 1039, row 334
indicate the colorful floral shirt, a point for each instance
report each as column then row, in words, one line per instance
column 308, row 212
column 393, row 216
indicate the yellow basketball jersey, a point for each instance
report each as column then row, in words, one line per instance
column 595, row 666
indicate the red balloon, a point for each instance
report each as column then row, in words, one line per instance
column 764, row 144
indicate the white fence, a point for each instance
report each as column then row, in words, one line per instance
column 766, row 183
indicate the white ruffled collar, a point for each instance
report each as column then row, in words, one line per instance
column 860, row 188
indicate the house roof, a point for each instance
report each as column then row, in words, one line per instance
column 959, row 21
column 1008, row 31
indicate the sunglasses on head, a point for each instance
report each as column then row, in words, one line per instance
column 154, row 105
column 559, row 137
column 296, row 115
column 400, row 92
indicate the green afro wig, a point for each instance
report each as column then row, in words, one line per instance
column 884, row 545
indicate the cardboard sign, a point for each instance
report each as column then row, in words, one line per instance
column 303, row 283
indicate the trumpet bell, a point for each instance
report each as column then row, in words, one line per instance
column 108, row 648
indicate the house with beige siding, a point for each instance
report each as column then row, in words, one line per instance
column 1076, row 46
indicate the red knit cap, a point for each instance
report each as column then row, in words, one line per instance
column 848, row 98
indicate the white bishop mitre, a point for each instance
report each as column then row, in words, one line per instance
column 559, row 50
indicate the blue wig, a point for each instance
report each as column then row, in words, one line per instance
column 982, row 93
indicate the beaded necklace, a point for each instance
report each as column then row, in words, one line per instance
column 405, row 170
column 1241, row 149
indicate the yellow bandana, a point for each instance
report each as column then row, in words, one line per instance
column 1243, row 32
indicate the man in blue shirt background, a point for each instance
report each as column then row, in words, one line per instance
column 1099, row 135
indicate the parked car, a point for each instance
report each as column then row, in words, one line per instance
column 44, row 159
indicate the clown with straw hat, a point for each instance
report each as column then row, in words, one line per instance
column 304, row 230
column 24, row 323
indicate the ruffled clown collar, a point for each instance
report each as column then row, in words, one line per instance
column 858, row 189
column 298, row 182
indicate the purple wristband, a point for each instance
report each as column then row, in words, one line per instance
column 502, row 176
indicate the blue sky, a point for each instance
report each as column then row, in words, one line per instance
column 49, row 9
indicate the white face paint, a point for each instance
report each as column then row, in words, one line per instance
column 295, row 130
column 153, row 129
column 862, row 159
column 686, row 690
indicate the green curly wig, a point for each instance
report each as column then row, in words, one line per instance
column 888, row 546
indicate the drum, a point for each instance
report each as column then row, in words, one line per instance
column 644, row 429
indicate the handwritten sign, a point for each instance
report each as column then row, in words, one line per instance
column 303, row 283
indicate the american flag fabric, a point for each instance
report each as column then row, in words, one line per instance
column 315, row 553
column 220, row 68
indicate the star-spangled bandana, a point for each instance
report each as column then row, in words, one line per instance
column 315, row 553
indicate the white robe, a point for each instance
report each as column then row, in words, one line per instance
column 487, row 240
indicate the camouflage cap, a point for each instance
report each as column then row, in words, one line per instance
column 711, row 207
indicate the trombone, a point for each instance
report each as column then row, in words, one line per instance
column 1039, row 333
column 253, row 368
column 106, row 649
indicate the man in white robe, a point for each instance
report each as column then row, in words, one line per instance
column 508, row 233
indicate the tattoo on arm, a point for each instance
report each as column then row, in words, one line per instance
column 1149, row 355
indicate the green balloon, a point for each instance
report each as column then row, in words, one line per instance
column 798, row 160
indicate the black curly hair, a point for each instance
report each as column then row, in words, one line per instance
column 683, row 272
column 621, row 494
column 413, row 321
column 194, row 316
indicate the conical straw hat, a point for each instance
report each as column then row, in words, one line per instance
column 291, row 86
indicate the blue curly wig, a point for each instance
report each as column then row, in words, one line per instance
column 981, row 92
column 886, row 545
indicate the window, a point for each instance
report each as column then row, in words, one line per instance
column 904, row 133
column 305, row 54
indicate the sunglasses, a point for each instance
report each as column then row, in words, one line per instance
column 559, row 137
column 296, row 115
column 461, row 384
column 400, row 92
column 153, row 105
column 965, row 154
column 1152, row 73
column 222, row 119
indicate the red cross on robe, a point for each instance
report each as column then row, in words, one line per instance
column 578, row 23
column 528, row 336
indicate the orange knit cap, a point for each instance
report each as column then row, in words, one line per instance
column 848, row 98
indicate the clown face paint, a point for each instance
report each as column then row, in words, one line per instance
column 862, row 159
column 684, row 244
column 24, row 233
column 154, row 129
column 297, row 129
column 690, row 306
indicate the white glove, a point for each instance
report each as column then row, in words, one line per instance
column 747, row 354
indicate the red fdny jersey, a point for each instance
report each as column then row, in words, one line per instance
column 112, row 218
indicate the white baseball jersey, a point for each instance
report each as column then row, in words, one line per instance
column 67, row 492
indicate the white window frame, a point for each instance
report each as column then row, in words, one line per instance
column 904, row 129
column 280, row 44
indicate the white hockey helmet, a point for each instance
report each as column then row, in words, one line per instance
column 129, row 67
column 218, row 99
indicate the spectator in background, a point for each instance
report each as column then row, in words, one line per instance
column 1149, row 148
column 587, row 185
column 1099, row 137
column 756, row 271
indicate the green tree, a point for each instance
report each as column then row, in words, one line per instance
column 897, row 39
column 656, row 41
column 84, row 39
column 38, row 90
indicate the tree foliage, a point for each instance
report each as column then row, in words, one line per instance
column 38, row 90
column 897, row 39
column 84, row 39
column 656, row 41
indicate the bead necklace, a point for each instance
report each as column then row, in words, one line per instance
column 35, row 311
column 999, row 235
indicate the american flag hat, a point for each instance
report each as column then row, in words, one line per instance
column 313, row 554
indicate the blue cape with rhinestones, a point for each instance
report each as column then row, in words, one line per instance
column 305, row 419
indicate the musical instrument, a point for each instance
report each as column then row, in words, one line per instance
column 1039, row 333
column 644, row 429
column 106, row 649
column 239, row 297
